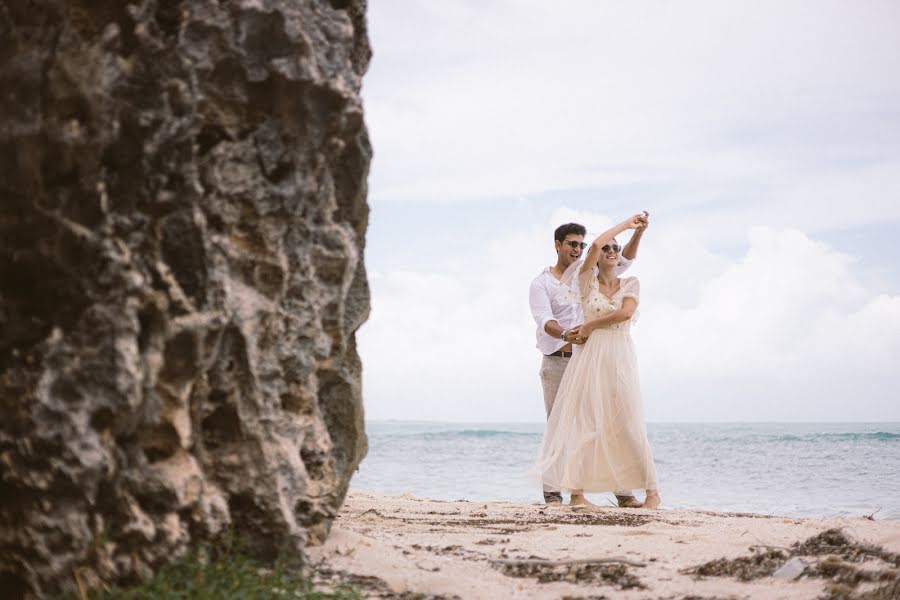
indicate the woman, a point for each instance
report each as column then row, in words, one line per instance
column 596, row 439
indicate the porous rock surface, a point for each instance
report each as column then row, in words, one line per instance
column 182, row 220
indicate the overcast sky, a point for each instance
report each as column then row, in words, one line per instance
column 763, row 137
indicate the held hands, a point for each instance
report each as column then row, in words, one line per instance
column 639, row 221
column 645, row 220
column 578, row 335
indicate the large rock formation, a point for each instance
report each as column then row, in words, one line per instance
column 182, row 218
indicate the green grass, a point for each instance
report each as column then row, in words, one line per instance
column 230, row 575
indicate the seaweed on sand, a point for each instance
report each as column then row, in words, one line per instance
column 839, row 552
column 602, row 571
column 835, row 542
column 744, row 568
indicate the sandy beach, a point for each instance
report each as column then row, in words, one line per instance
column 407, row 547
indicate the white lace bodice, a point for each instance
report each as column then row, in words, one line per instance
column 581, row 286
column 596, row 304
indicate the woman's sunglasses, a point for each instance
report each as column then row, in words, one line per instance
column 608, row 247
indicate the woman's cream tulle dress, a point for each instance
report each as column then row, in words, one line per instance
column 596, row 438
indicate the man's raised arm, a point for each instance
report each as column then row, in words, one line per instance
column 629, row 252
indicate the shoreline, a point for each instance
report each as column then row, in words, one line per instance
column 401, row 546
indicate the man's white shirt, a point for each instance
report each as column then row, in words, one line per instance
column 546, row 305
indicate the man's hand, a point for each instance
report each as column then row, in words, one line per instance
column 573, row 336
column 635, row 221
column 644, row 219
column 581, row 334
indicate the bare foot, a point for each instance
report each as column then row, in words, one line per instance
column 652, row 500
column 580, row 500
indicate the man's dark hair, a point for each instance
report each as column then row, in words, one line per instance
column 568, row 229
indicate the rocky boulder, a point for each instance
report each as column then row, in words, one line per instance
column 182, row 220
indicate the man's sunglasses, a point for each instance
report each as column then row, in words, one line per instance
column 575, row 245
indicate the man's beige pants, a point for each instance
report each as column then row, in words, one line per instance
column 552, row 369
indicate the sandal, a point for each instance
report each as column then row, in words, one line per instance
column 629, row 502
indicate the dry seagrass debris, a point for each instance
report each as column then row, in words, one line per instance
column 744, row 568
column 839, row 552
column 837, row 570
column 584, row 518
column 371, row 587
column 610, row 572
column 890, row 591
column 835, row 542
column 491, row 542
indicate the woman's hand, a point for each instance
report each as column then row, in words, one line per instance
column 637, row 221
column 584, row 332
column 573, row 336
column 645, row 221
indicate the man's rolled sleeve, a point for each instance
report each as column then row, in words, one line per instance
column 539, row 300
column 623, row 265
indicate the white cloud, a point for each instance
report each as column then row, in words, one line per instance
column 752, row 130
column 471, row 100
column 790, row 310
column 787, row 331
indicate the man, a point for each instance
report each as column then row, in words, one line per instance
column 558, row 322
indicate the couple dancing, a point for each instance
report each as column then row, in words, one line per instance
column 596, row 439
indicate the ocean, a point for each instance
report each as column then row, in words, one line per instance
column 783, row 469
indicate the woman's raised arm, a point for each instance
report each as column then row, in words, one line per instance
column 607, row 236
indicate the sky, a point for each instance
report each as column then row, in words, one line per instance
column 763, row 138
